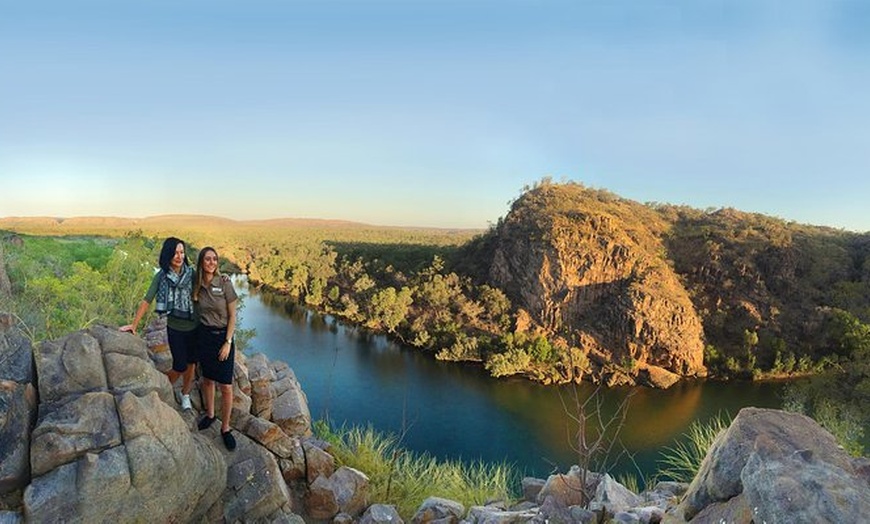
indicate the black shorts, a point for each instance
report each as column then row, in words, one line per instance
column 182, row 345
column 210, row 341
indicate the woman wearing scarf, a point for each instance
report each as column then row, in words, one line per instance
column 172, row 287
column 215, row 300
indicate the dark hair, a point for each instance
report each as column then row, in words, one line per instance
column 168, row 251
column 199, row 272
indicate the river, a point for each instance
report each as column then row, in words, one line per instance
column 456, row 411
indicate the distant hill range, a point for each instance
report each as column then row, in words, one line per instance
column 652, row 287
column 92, row 224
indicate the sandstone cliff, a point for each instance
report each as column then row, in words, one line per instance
column 589, row 269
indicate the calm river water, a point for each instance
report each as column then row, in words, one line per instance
column 455, row 411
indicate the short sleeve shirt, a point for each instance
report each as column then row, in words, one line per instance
column 213, row 300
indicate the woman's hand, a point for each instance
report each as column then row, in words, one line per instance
column 225, row 352
column 128, row 328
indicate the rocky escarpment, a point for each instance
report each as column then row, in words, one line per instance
column 588, row 270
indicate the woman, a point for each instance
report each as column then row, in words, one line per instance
column 215, row 301
column 172, row 286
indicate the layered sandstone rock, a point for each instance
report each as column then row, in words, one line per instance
column 593, row 274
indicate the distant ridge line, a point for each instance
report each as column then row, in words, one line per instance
column 193, row 219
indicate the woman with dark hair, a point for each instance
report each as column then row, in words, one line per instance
column 172, row 286
column 215, row 301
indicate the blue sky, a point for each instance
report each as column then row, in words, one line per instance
column 432, row 113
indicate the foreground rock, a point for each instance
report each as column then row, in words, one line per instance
column 108, row 446
column 775, row 467
column 111, row 444
column 18, row 402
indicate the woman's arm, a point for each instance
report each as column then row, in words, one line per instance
column 231, row 330
column 131, row 327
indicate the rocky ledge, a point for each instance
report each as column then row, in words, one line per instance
column 90, row 431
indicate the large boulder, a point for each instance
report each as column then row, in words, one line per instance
column 255, row 487
column 802, row 485
column 109, row 445
column 780, row 461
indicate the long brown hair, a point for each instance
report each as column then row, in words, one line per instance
column 199, row 261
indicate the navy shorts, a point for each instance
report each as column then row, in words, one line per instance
column 182, row 345
column 210, row 342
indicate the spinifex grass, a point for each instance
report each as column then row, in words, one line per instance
column 405, row 479
column 682, row 461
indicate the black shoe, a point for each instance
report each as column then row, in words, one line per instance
column 204, row 423
column 229, row 440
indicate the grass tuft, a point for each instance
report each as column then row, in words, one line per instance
column 683, row 461
column 405, row 479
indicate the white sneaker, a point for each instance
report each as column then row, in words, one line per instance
column 185, row 402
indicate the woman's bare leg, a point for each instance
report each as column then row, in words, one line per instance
column 226, row 406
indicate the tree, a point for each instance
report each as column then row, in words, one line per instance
column 388, row 308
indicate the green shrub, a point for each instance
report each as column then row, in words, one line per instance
column 509, row 363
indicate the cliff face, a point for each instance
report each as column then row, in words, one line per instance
column 589, row 269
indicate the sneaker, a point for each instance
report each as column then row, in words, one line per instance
column 229, row 440
column 185, row 402
column 205, row 422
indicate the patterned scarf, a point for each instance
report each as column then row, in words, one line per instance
column 173, row 293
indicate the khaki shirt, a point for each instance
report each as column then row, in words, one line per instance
column 213, row 300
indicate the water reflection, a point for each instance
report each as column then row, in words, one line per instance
column 455, row 411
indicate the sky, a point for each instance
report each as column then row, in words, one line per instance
column 432, row 113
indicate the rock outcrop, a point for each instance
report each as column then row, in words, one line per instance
column 779, row 467
column 111, row 444
column 589, row 269
column 18, row 404
column 108, row 445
